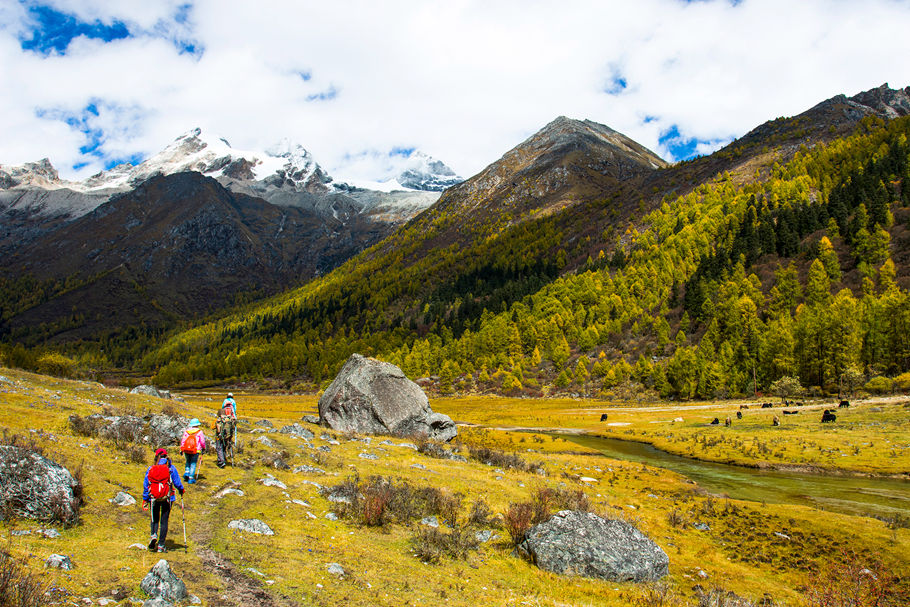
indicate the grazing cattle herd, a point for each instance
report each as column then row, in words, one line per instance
column 828, row 415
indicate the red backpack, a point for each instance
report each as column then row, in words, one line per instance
column 159, row 478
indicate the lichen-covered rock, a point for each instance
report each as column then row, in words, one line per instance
column 584, row 544
column 146, row 390
column 123, row 499
column 298, row 430
column 162, row 583
column 251, row 525
column 58, row 561
column 373, row 397
column 35, row 487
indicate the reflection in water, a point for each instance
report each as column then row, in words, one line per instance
column 849, row 494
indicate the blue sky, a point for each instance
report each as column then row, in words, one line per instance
column 91, row 83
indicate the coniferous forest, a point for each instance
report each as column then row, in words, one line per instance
column 680, row 285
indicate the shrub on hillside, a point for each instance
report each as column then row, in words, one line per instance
column 517, row 520
column 431, row 544
column 849, row 580
column 18, row 587
column 500, row 459
column 380, row 500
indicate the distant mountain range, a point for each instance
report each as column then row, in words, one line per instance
column 575, row 196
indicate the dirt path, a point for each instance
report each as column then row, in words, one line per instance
column 239, row 589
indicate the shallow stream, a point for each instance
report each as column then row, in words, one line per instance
column 882, row 497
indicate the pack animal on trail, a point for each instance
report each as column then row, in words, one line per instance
column 739, row 415
column 791, row 412
column 828, row 416
column 603, row 417
column 766, row 405
column 715, row 422
column 843, row 404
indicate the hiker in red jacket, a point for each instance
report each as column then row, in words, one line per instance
column 162, row 481
column 192, row 445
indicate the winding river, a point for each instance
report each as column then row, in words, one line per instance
column 882, row 497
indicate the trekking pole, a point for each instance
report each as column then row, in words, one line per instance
column 183, row 510
column 234, row 443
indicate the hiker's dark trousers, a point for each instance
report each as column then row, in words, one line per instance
column 220, row 449
column 161, row 511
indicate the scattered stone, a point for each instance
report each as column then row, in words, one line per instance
column 195, row 600
column 273, row 482
column 326, row 436
column 782, row 536
column 298, row 430
column 430, row 521
column 485, row 536
column 162, row 583
column 146, row 390
column 255, row 572
column 31, row 483
column 331, row 516
column 309, row 469
column 266, row 441
column 419, row 466
column 335, row 569
column 875, row 409
column 678, row 419
column 373, row 397
column 587, row 479
column 49, row 533
column 298, row 502
column 20, row 532
column 105, row 601
column 324, row 448
column 314, row 483
column 408, row 446
column 58, row 561
column 701, row 526
column 265, row 423
column 584, row 544
column 251, row 525
column 701, row 574
column 229, row 491
column 137, row 547
column 339, row 498
column 123, row 499
column 157, row 602
column 367, row 456
column 310, row 419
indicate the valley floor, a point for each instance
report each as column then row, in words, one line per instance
column 756, row 550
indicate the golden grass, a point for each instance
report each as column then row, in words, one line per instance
column 861, row 440
column 740, row 553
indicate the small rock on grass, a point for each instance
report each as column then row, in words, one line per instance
column 367, row 456
column 123, row 499
column 430, row 521
column 251, row 525
column 58, row 561
column 335, row 569
column 157, row 602
column 309, row 469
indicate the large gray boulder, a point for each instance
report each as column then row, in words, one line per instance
column 35, row 487
column 162, row 583
column 373, row 397
column 146, row 390
column 586, row 545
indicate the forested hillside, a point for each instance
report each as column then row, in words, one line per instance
column 795, row 270
column 581, row 263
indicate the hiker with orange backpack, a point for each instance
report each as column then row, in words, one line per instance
column 192, row 445
column 161, row 482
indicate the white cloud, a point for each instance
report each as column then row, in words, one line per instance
column 462, row 80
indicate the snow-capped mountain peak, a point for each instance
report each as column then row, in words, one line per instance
column 423, row 172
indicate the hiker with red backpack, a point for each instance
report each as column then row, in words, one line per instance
column 192, row 445
column 162, row 481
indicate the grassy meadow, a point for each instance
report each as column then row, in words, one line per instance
column 755, row 550
column 872, row 436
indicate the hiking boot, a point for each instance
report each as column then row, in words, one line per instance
column 162, row 549
column 153, row 542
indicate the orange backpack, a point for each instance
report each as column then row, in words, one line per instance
column 189, row 445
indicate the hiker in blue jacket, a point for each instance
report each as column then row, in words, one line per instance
column 162, row 481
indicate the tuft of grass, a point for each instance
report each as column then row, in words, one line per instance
column 431, row 544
